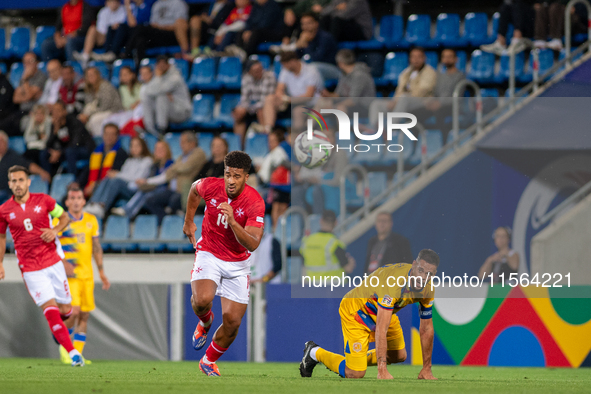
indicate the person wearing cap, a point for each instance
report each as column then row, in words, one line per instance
column 257, row 83
column 166, row 98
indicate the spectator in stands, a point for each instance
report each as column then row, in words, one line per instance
column 549, row 22
column 109, row 155
column 266, row 261
column 74, row 20
column 215, row 166
column 121, row 184
column 416, row 82
column 275, row 172
column 292, row 16
column 168, row 27
column 26, row 95
column 319, row 45
column 131, row 121
column 323, row 253
column 296, row 80
column 165, row 98
column 109, row 32
column 9, row 158
column 162, row 160
column 355, row 83
column 519, row 13
column 37, row 133
column 348, row 20
column 101, row 99
column 386, row 247
column 505, row 261
column 53, row 84
column 234, row 24
column 69, row 141
column 71, row 91
column 180, row 175
column 137, row 14
column 129, row 88
column 7, row 106
column 263, row 25
column 203, row 26
column 257, row 84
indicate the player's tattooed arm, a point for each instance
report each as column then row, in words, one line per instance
column 192, row 204
column 383, row 319
column 2, row 251
column 97, row 253
column 426, row 333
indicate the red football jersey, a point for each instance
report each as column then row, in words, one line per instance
column 26, row 222
column 217, row 237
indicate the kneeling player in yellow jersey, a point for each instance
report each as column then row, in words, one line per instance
column 368, row 314
column 80, row 242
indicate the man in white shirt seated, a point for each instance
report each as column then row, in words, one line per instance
column 52, row 85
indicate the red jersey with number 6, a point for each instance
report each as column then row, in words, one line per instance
column 26, row 223
column 217, row 236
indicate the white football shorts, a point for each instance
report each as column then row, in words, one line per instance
column 48, row 284
column 231, row 277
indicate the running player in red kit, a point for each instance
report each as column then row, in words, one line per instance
column 28, row 217
column 232, row 229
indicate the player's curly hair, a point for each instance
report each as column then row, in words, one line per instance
column 238, row 159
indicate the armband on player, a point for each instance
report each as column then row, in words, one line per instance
column 57, row 211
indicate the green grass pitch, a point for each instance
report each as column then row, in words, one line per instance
column 49, row 376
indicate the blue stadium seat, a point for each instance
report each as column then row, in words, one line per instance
column 42, row 66
column 294, row 231
column 265, row 46
column 42, row 33
column 373, row 157
column 489, row 92
column 102, row 67
column 17, row 144
column 205, row 142
column 233, row 141
column 182, row 65
column 375, row 61
column 418, row 31
column 432, row 59
column 198, row 220
column 174, row 141
column 264, row 59
column 202, row 111
column 546, row 62
column 38, row 185
column 171, row 229
column 276, row 66
column 150, row 141
column 490, row 99
column 461, row 62
column 495, row 28
column 353, row 196
column 378, row 182
column 203, row 75
column 394, row 64
column 125, row 141
column 448, row 31
column 228, row 103
column 482, row 66
column 257, row 145
column 268, row 223
column 78, row 68
column 3, row 68
column 3, row 52
column 504, row 69
column 314, row 223
column 146, row 228
column 379, row 41
column 148, row 61
column 16, row 72
column 117, row 228
column 117, row 64
column 171, row 50
column 230, row 72
column 434, row 141
column 59, row 186
column 476, row 29
column 20, row 41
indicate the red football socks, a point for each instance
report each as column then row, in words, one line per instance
column 58, row 328
column 206, row 318
column 213, row 352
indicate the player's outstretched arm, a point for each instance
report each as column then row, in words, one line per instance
column 2, row 251
column 383, row 319
column 426, row 333
column 192, row 204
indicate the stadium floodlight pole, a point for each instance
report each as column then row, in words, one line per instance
column 567, row 27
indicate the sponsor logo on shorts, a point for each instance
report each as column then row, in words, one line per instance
column 357, row 347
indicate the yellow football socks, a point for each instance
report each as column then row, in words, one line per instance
column 79, row 341
column 372, row 358
column 334, row 362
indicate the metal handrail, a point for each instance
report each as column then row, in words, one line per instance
column 283, row 221
column 352, row 168
column 568, row 23
column 535, row 72
column 460, row 86
column 580, row 193
column 510, row 104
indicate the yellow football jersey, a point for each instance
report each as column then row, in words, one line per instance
column 76, row 241
column 387, row 287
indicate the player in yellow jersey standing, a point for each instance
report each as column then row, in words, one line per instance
column 368, row 314
column 80, row 243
